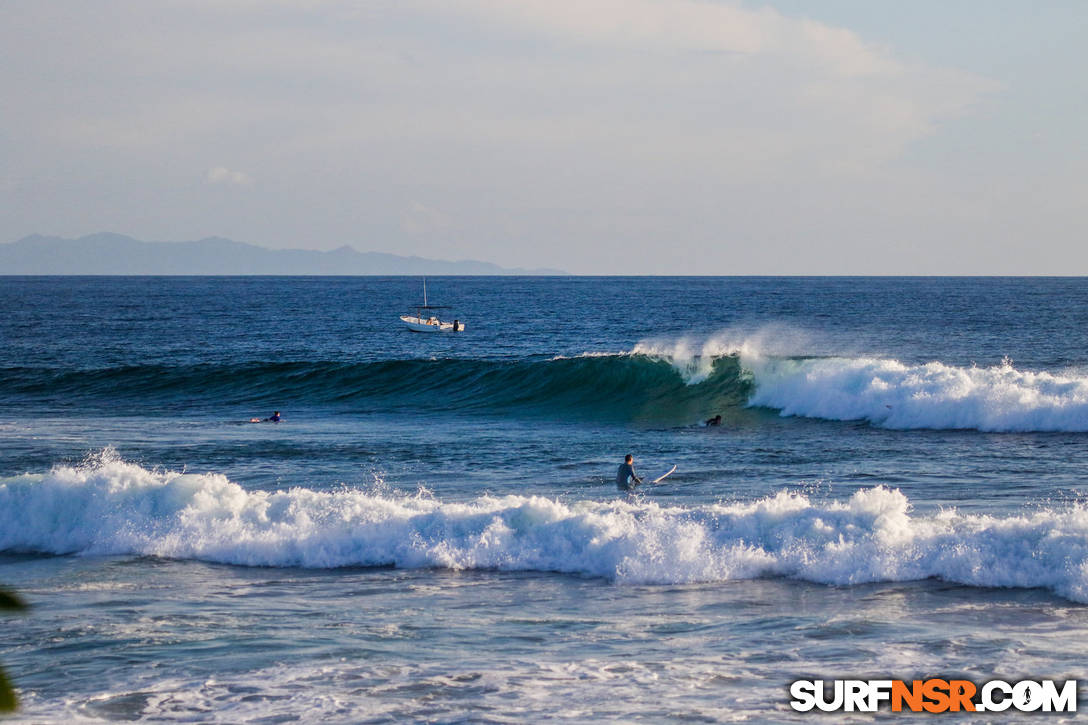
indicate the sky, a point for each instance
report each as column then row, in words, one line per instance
column 595, row 136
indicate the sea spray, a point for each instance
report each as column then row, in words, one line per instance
column 111, row 507
column 892, row 394
column 885, row 392
column 694, row 358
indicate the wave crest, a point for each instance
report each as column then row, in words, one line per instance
column 111, row 507
column 892, row 394
column 627, row 387
column 673, row 382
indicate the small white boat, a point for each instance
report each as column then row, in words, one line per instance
column 418, row 323
column 424, row 321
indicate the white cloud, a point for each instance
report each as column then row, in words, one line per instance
column 694, row 26
column 419, row 218
column 223, row 175
column 539, row 132
column 741, row 80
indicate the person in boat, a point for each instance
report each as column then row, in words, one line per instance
column 274, row 418
column 626, row 480
column 456, row 325
column 716, row 420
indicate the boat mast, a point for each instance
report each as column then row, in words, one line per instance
column 424, row 291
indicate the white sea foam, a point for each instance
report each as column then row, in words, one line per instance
column 113, row 507
column 350, row 691
column 935, row 395
column 590, row 354
column 885, row 392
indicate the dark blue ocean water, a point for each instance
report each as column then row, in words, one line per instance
column 433, row 531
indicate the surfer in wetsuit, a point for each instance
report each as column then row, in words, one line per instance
column 274, row 418
column 626, row 480
column 716, row 420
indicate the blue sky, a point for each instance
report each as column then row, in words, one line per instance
column 599, row 136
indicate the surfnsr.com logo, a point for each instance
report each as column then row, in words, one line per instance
column 933, row 695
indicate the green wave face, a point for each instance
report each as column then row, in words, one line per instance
column 620, row 387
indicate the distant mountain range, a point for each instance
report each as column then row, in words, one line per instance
column 116, row 254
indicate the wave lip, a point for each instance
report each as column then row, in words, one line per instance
column 604, row 387
column 115, row 508
column 672, row 383
column 781, row 373
column 891, row 394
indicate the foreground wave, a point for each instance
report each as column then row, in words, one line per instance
column 112, row 507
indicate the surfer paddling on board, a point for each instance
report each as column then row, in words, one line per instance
column 626, row 480
column 274, row 418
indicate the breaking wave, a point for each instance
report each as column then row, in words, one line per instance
column 890, row 393
column 671, row 382
column 111, row 507
column 613, row 387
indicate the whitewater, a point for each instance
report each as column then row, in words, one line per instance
column 114, row 508
column 885, row 392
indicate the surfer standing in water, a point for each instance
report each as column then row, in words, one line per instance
column 626, row 480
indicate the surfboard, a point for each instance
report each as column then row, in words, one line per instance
column 664, row 475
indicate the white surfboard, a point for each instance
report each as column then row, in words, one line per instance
column 663, row 476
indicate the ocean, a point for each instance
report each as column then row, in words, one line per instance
column 433, row 532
